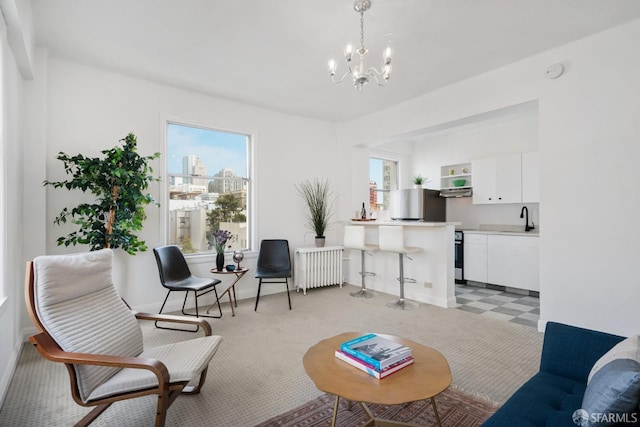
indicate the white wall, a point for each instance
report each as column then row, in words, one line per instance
column 12, row 266
column 588, row 136
column 89, row 110
column 509, row 133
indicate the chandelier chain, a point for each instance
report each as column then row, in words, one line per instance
column 362, row 29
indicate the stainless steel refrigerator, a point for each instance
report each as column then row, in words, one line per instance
column 418, row 204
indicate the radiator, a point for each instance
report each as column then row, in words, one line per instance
column 315, row 267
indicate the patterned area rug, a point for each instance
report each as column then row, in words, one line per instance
column 454, row 407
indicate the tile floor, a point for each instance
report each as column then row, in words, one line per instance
column 498, row 304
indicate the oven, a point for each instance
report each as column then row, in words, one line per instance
column 459, row 256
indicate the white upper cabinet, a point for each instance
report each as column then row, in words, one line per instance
column 531, row 177
column 497, row 180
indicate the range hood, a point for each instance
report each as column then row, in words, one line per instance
column 456, row 192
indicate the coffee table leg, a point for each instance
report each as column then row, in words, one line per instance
column 435, row 411
column 335, row 412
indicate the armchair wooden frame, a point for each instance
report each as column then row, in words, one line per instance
column 166, row 390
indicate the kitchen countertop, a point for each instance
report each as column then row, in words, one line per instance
column 405, row 223
column 501, row 229
column 533, row 233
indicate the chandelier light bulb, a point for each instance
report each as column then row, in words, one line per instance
column 360, row 74
column 387, row 56
column 348, row 52
column 332, row 67
column 386, row 72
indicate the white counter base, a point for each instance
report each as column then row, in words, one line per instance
column 433, row 269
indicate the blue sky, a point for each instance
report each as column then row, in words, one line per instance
column 217, row 150
column 375, row 171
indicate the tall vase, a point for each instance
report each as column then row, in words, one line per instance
column 220, row 261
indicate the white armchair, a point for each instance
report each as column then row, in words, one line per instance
column 83, row 323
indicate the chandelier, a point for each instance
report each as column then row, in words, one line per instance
column 359, row 73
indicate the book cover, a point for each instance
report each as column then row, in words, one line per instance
column 370, row 369
column 375, row 350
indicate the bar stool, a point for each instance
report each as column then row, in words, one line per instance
column 391, row 239
column 354, row 238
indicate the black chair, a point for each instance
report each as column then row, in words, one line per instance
column 176, row 276
column 273, row 263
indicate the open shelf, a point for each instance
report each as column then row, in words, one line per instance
column 449, row 173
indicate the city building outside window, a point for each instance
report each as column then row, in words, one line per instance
column 383, row 177
column 209, row 187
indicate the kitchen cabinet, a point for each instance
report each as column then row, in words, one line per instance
column 513, row 261
column 475, row 257
column 531, row 177
column 497, row 180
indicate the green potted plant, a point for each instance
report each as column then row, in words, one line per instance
column 119, row 181
column 419, row 180
column 316, row 193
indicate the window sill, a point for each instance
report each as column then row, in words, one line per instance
column 209, row 258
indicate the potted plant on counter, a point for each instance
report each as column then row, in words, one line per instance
column 419, row 181
column 316, row 193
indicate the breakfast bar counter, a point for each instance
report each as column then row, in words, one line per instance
column 432, row 269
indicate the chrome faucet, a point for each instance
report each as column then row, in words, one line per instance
column 524, row 212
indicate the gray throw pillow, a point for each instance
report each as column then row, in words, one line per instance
column 612, row 392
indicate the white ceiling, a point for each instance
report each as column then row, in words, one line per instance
column 274, row 53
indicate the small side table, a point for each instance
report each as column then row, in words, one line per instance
column 231, row 289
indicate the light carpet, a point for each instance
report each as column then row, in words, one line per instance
column 257, row 373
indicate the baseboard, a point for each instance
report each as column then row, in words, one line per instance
column 5, row 381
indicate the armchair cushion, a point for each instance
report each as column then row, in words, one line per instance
column 102, row 323
column 184, row 361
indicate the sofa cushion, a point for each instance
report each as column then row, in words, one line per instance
column 571, row 352
column 545, row 400
column 626, row 349
column 614, row 389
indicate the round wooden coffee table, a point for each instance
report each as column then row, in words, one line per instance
column 428, row 376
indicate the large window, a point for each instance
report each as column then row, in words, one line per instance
column 383, row 177
column 209, row 187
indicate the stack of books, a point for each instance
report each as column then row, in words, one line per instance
column 375, row 355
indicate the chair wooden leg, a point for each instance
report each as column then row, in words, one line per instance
column 196, row 389
column 258, row 296
column 92, row 415
column 161, row 411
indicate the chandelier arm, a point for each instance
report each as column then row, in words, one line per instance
column 375, row 77
column 374, row 72
column 344, row 76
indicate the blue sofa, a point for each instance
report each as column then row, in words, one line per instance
column 551, row 397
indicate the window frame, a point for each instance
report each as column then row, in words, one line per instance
column 251, row 181
column 383, row 158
